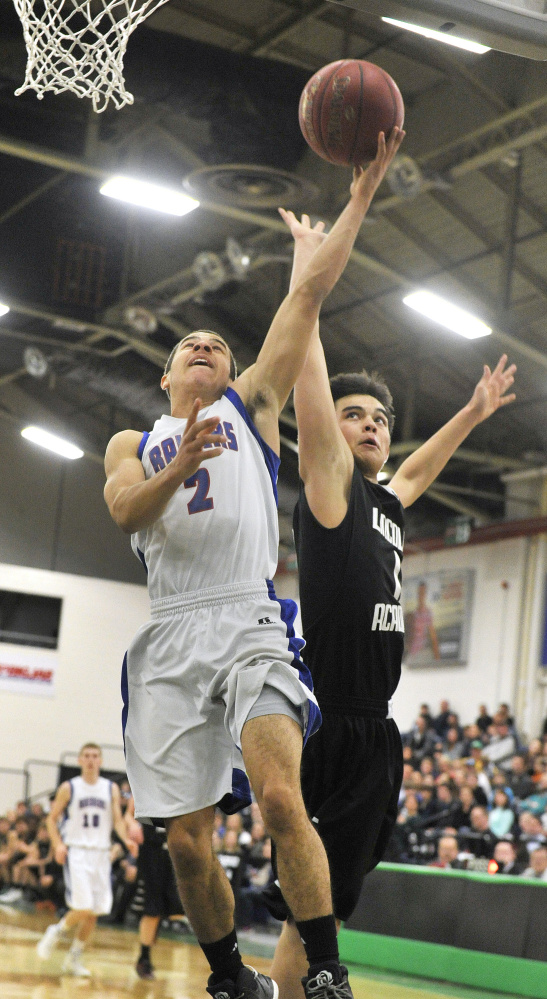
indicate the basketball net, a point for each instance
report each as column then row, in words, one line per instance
column 79, row 45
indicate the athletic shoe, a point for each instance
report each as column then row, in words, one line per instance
column 331, row 983
column 249, row 984
column 72, row 965
column 144, row 969
column 49, row 940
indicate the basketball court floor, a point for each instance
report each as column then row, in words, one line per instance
column 181, row 969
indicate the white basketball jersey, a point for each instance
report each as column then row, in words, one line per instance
column 88, row 817
column 221, row 525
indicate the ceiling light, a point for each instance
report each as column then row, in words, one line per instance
column 447, row 314
column 51, row 442
column 3, row 309
column 440, row 36
column 383, row 475
column 140, row 192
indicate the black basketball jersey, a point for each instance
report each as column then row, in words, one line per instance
column 350, row 588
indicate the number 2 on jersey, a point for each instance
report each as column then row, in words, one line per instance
column 200, row 500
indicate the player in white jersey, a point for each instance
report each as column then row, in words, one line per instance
column 84, row 812
column 215, row 678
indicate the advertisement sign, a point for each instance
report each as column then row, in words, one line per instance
column 437, row 608
column 27, row 671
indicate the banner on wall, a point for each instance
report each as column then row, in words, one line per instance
column 437, row 608
column 27, row 671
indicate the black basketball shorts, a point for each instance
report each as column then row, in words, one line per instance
column 352, row 771
column 156, row 875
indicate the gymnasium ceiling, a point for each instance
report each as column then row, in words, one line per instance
column 216, row 86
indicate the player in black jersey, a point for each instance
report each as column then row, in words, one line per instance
column 349, row 533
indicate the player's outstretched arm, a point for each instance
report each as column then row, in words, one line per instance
column 420, row 469
column 284, row 350
column 136, row 502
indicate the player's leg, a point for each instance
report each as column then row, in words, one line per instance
column 290, row 964
column 208, row 901
column 203, row 886
column 272, row 749
column 148, row 931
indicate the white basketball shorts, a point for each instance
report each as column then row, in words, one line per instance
column 191, row 676
column 87, row 875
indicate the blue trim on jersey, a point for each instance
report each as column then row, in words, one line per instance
column 270, row 457
column 240, row 796
column 125, row 697
column 289, row 611
column 142, row 558
column 142, row 444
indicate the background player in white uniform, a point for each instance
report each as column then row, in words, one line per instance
column 84, row 812
column 216, row 671
column 339, row 442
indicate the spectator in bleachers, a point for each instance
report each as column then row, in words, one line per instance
column 502, row 818
column 502, row 746
column 479, row 783
column 484, row 720
column 257, row 876
column 532, row 834
column 538, row 864
column 478, row 839
column 537, row 801
column 518, row 779
column 461, row 818
column 441, row 723
column 447, row 854
column 453, row 746
column 505, row 855
column 420, row 740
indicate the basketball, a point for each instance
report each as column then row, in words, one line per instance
column 344, row 106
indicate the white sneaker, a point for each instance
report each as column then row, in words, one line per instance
column 72, row 965
column 48, row 942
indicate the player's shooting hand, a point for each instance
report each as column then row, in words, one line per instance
column 369, row 179
column 197, row 435
column 491, row 391
column 303, row 231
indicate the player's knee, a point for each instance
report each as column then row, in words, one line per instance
column 280, row 806
column 190, row 850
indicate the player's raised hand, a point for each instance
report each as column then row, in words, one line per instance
column 368, row 179
column 491, row 391
column 195, row 445
column 303, row 230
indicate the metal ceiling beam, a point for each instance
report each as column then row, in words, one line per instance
column 494, row 461
column 32, row 196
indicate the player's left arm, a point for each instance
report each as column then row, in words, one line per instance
column 422, row 467
column 119, row 824
column 284, row 350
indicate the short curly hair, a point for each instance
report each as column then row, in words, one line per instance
column 363, row 383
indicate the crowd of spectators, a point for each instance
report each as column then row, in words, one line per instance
column 30, row 875
column 474, row 795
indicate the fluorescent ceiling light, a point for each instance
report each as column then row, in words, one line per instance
column 447, row 314
column 3, row 309
column 440, row 36
column 139, row 192
column 51, row 442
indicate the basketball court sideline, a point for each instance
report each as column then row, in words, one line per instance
column 181, row 969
